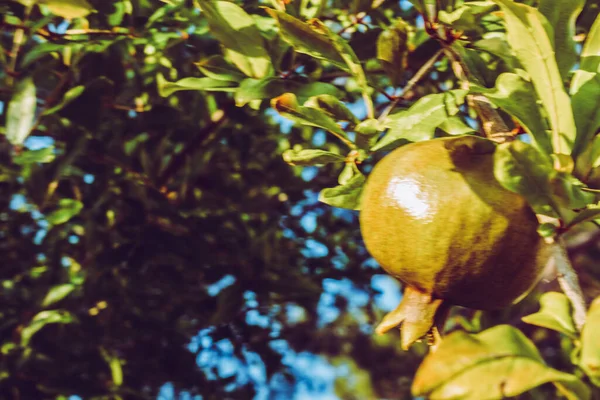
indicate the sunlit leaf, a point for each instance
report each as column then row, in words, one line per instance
column 344, row 196
column 40, row 50
column 347, row 54
column 590, row 213
column 268, row 88
column 333, row 107
column 57, row 293
column 461, row 19
column 71, row 95
column 421, row 119
column 166, row 88
column 216, row 67
column 42, row 319
column 516, row 96
column 392, row 50
column 585, row 91
column 494, row 364
column 529, row 34
column 237, row 32
column 311, row 157
column 455, row 126
column 69, row 9
column 288, row 107
column 67, row 209
column 45, row 155
column 20, row 114
column 590, row 345
column 114, row 363
column 562, row 14
column 555, row 313
column 304, row 38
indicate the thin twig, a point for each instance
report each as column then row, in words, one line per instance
column 412, row 82
column 568, row 280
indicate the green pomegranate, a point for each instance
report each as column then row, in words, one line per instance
column 434, row 216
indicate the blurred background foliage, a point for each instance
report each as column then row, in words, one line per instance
column 159, row 246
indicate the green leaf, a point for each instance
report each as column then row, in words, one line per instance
column 216, row 67
column 392, row 50
column 497, row 363
column 304, row 38
column 590, row 345
column 57, row 293
column 307, row 90
column 69, row 96
column 333, row 107
column 455, row 126
column 20, row 114
column 461, row 19
column 528, row 34
column 585, row 110
column 585, row 91
column 516, row 96
column 569, row 191
column 519, row 167
column 347, row 173
column 368, row 132
column 237, row 32
column 480, row 70
column 590, row 213
column 369, row 127
column 166, row 88
column 68, row 208
column 287, row 106
column 555, row 313
column 421, row 119
column 68, row 9
column 267, row 88
column 351, row 60
column 40, row 50
column 590, row 56
column 311, row 157
column 29, row 157
column 562, row 14
column 115, row 365
column 345, row 196
column 42, row 319
column 258, row 89
column 498, row 47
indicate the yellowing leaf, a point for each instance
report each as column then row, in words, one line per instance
column 494, row 364
column 590, row 345
column 555, row 313
column 69, row 9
